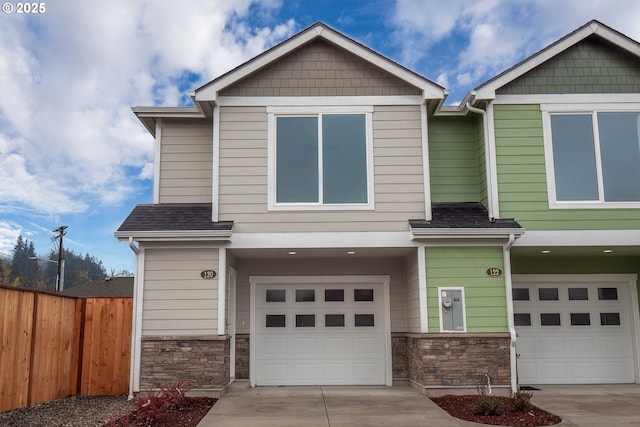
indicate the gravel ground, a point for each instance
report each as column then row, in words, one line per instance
column 72, row 411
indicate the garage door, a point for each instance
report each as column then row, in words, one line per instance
column 320, row 334
column 573, row 333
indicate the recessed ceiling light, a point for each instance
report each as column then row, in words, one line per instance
column 292, row 252
column 351, row 252
column 546, row 251
column 607, row 251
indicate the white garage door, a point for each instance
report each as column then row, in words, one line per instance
column 573, row 333
column 320, row 334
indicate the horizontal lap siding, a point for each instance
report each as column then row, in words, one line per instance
column 485, row 297
column 413, row 294
column 177, row 301
column 522, row 180
column 185, row 161
column 398, row 179
column 453, row 155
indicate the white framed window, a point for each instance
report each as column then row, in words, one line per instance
column 320, row 158
column 592, row 156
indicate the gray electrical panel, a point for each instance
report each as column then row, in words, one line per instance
column 452, row 309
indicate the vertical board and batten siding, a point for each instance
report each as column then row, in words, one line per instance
column 177, row 300
column 398, row 178
column 522, row 180
column 453, row 158
column 413, row 293
column 186, row 161
column 485, row 296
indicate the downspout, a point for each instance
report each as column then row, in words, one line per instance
column 487, row 157
column 133, row 355
column 509, row 297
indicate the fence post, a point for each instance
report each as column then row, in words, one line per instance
column 34, row 331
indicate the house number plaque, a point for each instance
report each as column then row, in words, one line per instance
column 207, row 274
column 494, row 272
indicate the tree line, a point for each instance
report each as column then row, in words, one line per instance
column 27, row 269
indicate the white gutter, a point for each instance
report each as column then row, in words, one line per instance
column 134, row 322
column 509, row 296
column 487, row 157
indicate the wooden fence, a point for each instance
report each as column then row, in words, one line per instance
column 52, row 346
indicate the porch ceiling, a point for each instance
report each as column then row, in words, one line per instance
column 343, row 253
column 575, row 251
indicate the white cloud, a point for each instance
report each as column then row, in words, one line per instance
column 9, row 233
column 68, row 77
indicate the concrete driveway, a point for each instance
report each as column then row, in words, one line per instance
column 402, row 406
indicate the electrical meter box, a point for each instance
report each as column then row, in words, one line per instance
column 452, row 309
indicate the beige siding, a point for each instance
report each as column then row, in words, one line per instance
column 321, row 267
column 413, row 293
column 331, row 70
column 185, row 161
column 177, row 301
column 398, row 178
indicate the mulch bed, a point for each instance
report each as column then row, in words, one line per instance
column 187, row 414
column 463, row 407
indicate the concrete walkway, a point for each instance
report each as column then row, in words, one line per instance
column 335, row 406
column 401, row 406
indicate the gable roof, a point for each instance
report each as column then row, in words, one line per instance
column 209, row 91
column 487, row 90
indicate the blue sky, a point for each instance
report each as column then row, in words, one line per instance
column 71, row 151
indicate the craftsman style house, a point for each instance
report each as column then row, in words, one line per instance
column 320, row 216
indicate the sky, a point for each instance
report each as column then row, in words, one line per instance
column 72, row 152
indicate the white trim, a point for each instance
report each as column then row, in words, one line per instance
column 215, row 166
column 590, row 106
column 222, row 290
column 569, row 98
column 464, row 308
column 156, row 162
column 322, row 240
column 492, row 166
column 630, row 280
column 233, row 274
column 176, row 235
column 468, row 233
column 422, row 290
column 510, row 322
column 138, row 310
column 425, row 161
column 317, row 111
column 547, row 110
column 597, row 238
column 384, row 280
column 210, row 91
column 258, row 101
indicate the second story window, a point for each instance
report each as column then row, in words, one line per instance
column 320, row 161
column 593, row 158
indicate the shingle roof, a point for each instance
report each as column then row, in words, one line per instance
column 114, row 287
column 173, row 217
column 462, row 215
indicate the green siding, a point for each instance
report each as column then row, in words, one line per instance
column 453, row 159
column 522, row 180
column 485, row 301
column 591, row 66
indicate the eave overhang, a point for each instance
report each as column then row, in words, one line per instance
column 465, row 233
column 176, row 236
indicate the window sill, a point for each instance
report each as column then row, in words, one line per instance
column 594, row 205
column 318, row 207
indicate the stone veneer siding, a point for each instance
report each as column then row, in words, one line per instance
column 399, row 361
column 458, row 360
column 242, row 356
column 200, row 362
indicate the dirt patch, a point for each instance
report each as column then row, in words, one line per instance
column 463, row 407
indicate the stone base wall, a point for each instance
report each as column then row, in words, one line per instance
column 399, row 361
column 458, row 360
column 200, row 362
column 242, row 357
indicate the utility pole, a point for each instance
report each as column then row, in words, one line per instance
column 59, row 278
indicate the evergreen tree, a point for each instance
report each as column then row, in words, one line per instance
column 24, row 268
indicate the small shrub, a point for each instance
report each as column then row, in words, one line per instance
column 483, row 385
column 488, row 405
column 521, row 400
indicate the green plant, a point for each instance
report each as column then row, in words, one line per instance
column 488, row 405
column 521, row 400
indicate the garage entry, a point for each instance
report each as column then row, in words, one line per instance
column 575, row 329
column 330, row 330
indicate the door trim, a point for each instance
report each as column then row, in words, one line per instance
column 320, row 280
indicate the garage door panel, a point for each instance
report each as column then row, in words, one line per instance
column 320, row 342
column 591, row 344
